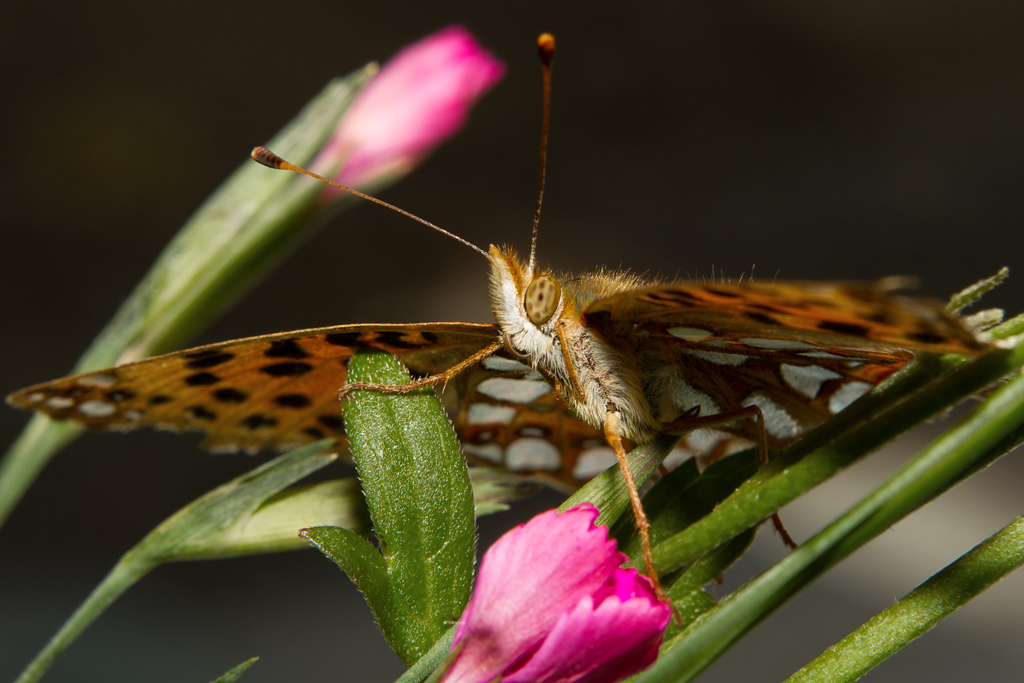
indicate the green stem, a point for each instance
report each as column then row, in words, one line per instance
column 125, row 573
column 797, row 469
column 430, row 661
column 982, row 436
column 920, row 610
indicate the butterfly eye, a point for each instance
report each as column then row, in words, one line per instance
column 542, row 299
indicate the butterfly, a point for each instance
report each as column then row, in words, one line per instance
column 573, row 369
column 801, row 352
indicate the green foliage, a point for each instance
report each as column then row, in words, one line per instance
column 987, row 434
column 920, row 610
column 418, row 493
column 236, row 673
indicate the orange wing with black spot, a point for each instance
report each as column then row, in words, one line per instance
column 273, row 391
column 836, row 314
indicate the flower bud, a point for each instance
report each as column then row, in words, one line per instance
column 420, row 97
column 553, row 604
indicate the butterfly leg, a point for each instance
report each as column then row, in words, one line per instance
column 688, row 423
column 611, row 433
column 432, row 380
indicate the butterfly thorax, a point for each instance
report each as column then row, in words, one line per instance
column 542, row 325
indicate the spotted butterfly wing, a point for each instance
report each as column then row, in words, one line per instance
column 506, row 414
column 801, row 352
column 841, row 314
column 274, row 391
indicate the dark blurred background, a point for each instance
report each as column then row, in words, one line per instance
column 813, row 139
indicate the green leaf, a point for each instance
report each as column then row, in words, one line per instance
column 920, row 610
column 355, row 556
column 970, row 295
column 494, row 489
column 429, row 663
column 418, row 493
column 689, row 599
column 236, row 673
column 273, row 526
column 1010, row 328
column 215, row 524
column 686, row 495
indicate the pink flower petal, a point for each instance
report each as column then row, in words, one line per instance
column 602, row 645
column 420, row 97
column 530, row 578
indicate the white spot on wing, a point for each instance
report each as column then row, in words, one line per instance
column 777, row 421
column 719, row 358
column 820, row 354
column 59, row 402
column 487, row 414
column 532, row 454
column 133, row 415
column 487, row 451
column 35, row 397
column 703, row 441
column 847, row 394
column 759, row 343
column 499, row 364
column 676, row 458
column 530, row 431
column 97, row 408
column 513, row 390
column 593, row 462
column 690, row 333
column 100, row 380
column 685, row 396
column 807, row 379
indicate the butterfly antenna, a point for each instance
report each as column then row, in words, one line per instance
column 271, row 160
column 546, row 48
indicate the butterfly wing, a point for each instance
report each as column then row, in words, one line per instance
column 803, row 351
column 280, row 390
column 507, row 414
column 825, row 314
column 799, row 351
column 273, row 391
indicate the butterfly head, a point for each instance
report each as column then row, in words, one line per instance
column 526, row 303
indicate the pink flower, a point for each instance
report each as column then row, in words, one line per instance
column 552, row 604
column 419, row 98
